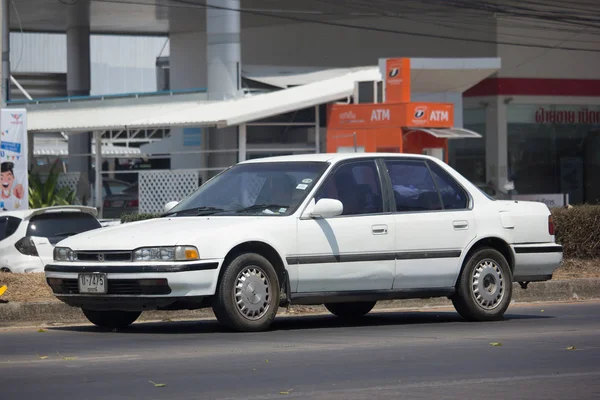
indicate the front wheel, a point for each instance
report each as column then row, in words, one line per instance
column 485, row 286
column 247, row 298
column 112, row 319
column 350, row 310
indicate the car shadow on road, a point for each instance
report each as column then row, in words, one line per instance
column 305, row 322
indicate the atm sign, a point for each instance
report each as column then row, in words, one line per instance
column 433, row 115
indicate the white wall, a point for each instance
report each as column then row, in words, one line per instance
column 119, row 64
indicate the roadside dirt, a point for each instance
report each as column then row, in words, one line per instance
column 33, row 287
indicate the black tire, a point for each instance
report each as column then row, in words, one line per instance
column 112, row 319
column 4, row 269
column 350, row 310
column 494, row 291
column 261, row 304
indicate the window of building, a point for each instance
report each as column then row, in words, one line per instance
column 357, row 186
column 467, row 156
column 555, row 149
column 413, row 185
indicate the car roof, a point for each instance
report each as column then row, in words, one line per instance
column 332, row 157
column 27, row 214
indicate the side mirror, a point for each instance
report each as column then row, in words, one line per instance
column 510, row 185
column 170, row 205
column 327, row 208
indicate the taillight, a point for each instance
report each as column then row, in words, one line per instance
column 106, row 203
column 26, row 246
column 550, row 225
column 133, row 203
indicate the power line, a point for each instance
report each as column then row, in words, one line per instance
column 445, row 22
column 191, row 4
column 384, row 30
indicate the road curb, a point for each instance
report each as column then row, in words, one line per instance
column 50, row 313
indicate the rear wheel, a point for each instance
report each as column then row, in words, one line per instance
column 247, row 298
column 485, row 286
column 350, row 310
column 112, row 319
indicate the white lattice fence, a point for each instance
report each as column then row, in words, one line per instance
column 156, row 188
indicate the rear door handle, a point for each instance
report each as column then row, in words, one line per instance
column 460, row 225
column 379, row 229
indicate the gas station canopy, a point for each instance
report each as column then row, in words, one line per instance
column 300, row 89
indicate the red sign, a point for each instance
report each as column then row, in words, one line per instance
column 583, row 116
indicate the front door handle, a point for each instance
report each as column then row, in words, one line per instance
column 379, row 229
column 460, row 225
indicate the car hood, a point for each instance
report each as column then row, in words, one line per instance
column 153, row 232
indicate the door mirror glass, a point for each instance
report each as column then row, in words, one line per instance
column 327, row 208
column 170, row 205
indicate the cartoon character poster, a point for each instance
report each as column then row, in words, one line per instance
column 14, row 185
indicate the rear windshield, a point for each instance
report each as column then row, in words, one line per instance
column 8, row 226
column 58, row 226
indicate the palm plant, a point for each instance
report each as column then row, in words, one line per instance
column 48, row 193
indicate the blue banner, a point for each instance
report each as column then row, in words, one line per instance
column 11, row 146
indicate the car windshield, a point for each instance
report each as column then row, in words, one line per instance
column 265, row 188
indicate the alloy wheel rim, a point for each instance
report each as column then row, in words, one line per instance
column 487, row 284
column 252, row 293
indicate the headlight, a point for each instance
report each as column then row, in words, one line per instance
column 64, row 254
column 174, row 253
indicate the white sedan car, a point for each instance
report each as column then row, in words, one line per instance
column 343, row 230
column 27, row 237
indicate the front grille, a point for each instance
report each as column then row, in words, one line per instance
column 115, row 286
column 96, row 256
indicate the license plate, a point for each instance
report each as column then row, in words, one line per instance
column 117, row 204
column 92, row 283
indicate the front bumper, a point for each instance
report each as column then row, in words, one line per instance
column 536, row 262
column 133, row 286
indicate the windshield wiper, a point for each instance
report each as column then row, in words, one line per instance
column 260, row 207
column 198, row 211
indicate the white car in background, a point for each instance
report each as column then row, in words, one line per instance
column 343, row 230
column 28, row 237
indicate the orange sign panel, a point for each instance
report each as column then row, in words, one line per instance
column 429, row 115
column 372, row 116
column 397, row 80
column 356, row 116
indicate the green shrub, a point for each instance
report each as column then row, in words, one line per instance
column 578, row 230
column 47, row 193
column 137, row 217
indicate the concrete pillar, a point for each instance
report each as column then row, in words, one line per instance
column 223, row 52
column 496, row 143
column 79, row 84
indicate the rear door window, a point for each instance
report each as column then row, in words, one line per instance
column 58, row 226
column 8, row 226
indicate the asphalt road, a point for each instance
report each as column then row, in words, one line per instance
column 412, row 355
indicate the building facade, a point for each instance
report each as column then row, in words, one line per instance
column 539, row 114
